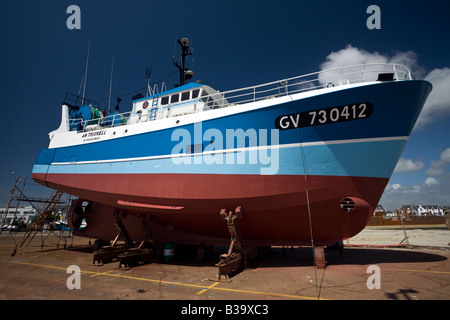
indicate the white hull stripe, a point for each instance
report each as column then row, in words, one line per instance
column 290, row 145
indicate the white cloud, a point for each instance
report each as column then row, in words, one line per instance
column 445, row 156
column 431, row 191
column 407, row 165
column 430, row 181
column 438, row 103
column 409, row 59
column 437, row 106
column 438, row 168
column 348, row 57
column 351, row 56
column 434, row 190
column 356, row 56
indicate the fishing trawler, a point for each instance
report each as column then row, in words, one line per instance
column 304, row 159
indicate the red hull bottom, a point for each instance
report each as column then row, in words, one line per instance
column 183, row 208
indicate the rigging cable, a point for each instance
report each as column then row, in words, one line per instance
column 86, row 71
column 137, row 90
column 110, row 85
column 305, row 171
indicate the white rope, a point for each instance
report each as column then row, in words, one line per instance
column 305, row 173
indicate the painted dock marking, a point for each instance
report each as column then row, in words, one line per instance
column 211, row 287
column 206, row 288
column 425, row 271
column 99, row 274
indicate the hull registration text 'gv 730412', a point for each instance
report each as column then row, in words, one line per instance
column 349, row 112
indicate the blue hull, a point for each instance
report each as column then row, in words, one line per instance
column 351, row 148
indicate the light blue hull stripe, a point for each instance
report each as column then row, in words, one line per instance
column 361, row 159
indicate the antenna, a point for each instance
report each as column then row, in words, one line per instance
column 148, row 74
column 85, row 73
column 79, row 89
column 185, row 73
column 110, row 86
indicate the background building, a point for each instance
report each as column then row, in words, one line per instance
column 423, row 210
column 23, row 215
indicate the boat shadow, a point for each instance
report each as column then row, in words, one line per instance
column 303, row 256
column 279, row 257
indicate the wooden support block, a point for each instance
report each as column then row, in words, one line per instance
column 319, row 256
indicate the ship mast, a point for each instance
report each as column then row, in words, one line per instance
column 185, row 73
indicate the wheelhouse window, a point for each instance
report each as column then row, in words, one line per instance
column 174, row 98
column 165, row 100
column 195, row 93
column 185, row 96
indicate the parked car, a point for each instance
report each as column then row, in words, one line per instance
column 9, row 227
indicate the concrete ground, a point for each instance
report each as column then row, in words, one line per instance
column 435, row 236
column 363, row 273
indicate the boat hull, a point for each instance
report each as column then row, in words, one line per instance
column 290, row 184
column 276, row 210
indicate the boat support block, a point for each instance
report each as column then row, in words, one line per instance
column 127, row 254
column 319, row 256
column 238, row 254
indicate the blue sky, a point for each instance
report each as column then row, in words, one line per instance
column 235, row 43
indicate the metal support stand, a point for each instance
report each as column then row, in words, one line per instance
column 406, row 238
column 110, row 253
column 128, row 255
column 107, row 254
column 233, row 261
column 134, row 257
column 140, row 255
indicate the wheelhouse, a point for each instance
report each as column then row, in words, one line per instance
column 186, row 99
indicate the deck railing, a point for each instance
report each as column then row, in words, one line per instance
column 313, row 81
column 322, row 79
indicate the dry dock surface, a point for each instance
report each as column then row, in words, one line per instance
column 362, row 273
